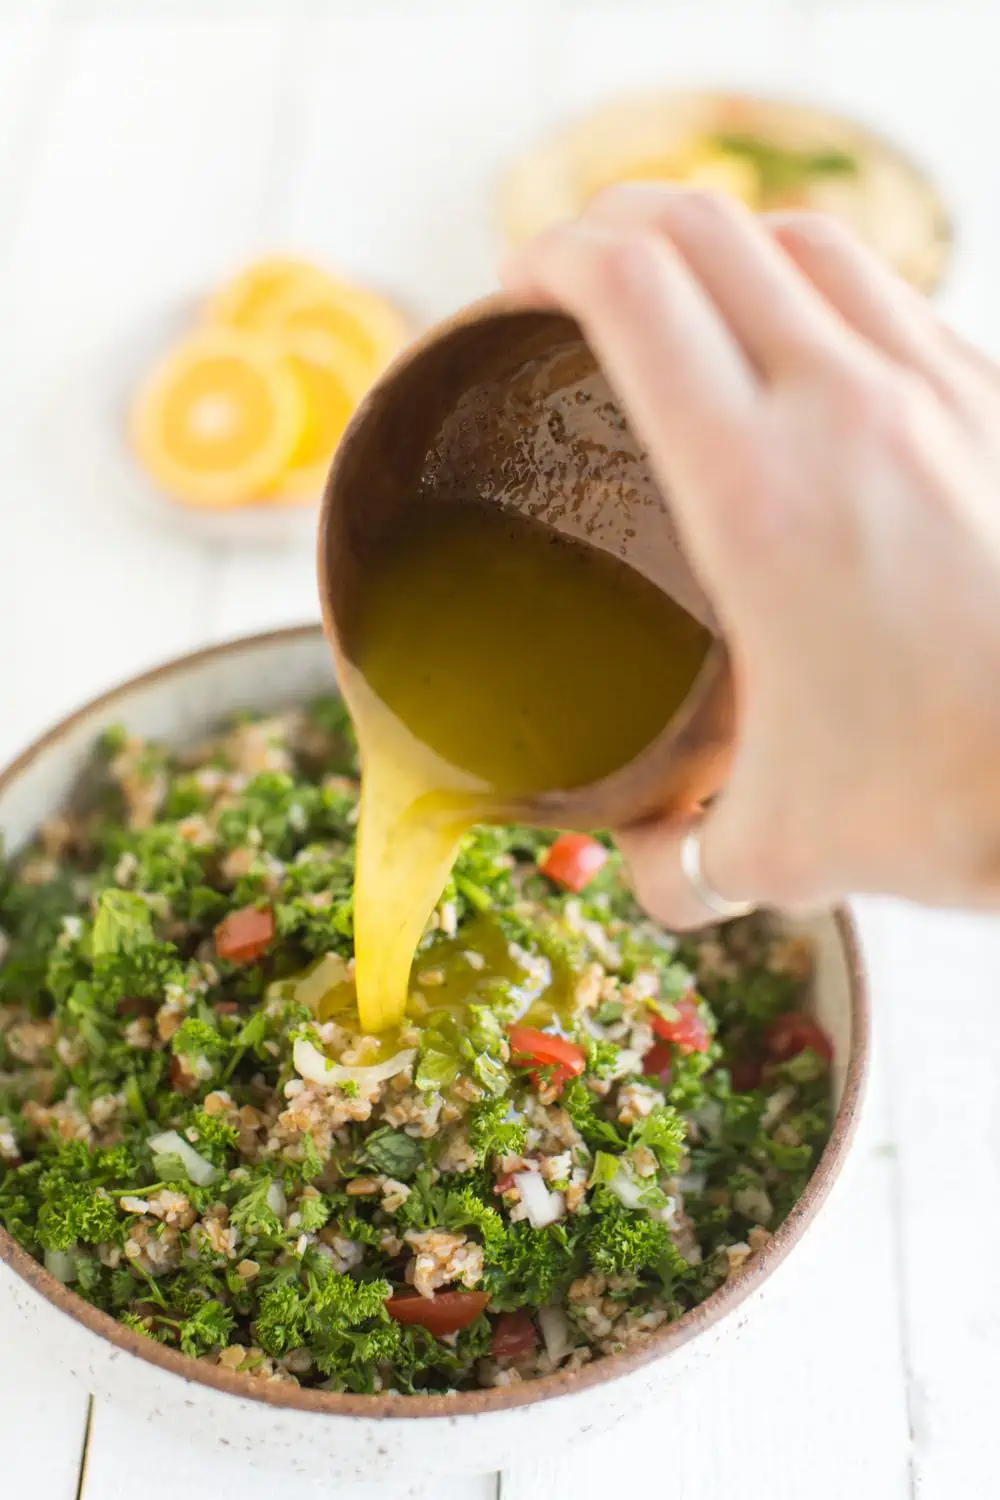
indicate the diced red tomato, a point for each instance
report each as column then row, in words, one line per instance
column 513, row 1334
column 446, row 1312
column 243, row 935
column 792, row 1033
column 745, row 1074
column 687, row 1030
column 573, row 860
column 563, row 1058
column 656, row 1062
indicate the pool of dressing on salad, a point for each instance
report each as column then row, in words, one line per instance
column 491, row 658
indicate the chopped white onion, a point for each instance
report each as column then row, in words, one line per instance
column 776, row 1107
column 169, row 1143
column 709, row 1119
column 694, row 1182
column 630, row 1193
column 591, row 1027
column 311, row 1063
column 276, row 1200
column 542, row 1206
column 666, row 1214
column 61, row 1265
column 626, row 1190
column 329, row 972
column 555, row 1332
column 628, row 1059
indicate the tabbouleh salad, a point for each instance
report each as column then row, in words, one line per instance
column 583, row 1128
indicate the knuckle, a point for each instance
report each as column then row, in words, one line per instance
column 887, row 407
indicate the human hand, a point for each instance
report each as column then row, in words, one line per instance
column 832, row 455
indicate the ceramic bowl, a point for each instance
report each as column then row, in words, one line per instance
column 315, row 1433
column 889, row 201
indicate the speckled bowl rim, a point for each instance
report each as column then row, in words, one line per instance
column 730, row 1296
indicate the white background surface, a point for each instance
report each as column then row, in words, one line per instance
column 145, row 150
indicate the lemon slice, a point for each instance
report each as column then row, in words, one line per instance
column 332, row 380
column 366, row 324
column 219, row 419
column 245, row 300
column 695, row 162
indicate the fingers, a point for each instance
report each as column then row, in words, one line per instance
column 869, row 296
column 772, row 309
column 842, row 288
column 659, row 335
column 746, row 856
column 653, row 853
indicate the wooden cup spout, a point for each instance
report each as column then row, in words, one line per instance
column 506, row 405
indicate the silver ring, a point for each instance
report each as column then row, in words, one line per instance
column 719, row 906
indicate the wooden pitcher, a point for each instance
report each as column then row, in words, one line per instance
column 506, row 405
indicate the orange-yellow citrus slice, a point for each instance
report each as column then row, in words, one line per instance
column 332, row 379
column 695, row 162
column 361, row 320
column 246, row 299
column 726, row 174
column 219, row 419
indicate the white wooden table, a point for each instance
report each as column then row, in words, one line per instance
column 145, row 149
